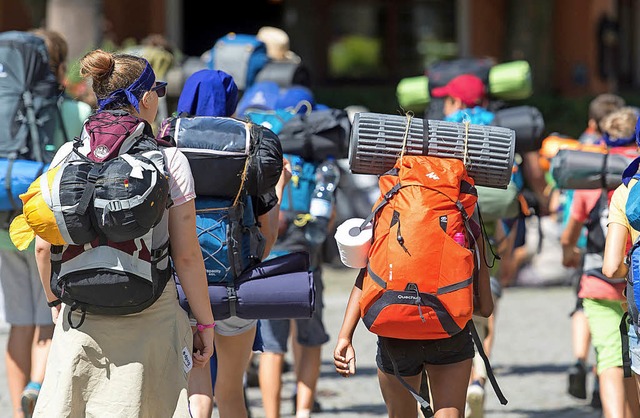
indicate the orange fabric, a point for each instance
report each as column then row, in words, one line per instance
column 554, row 143
column 36, row 218
column 430, row 258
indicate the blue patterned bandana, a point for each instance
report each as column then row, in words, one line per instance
column 133, row 93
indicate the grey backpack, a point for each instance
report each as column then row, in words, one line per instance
column 28, row 114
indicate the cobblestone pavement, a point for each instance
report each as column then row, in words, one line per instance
column 531, row 354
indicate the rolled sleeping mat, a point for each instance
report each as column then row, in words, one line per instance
column 16, row 176
column 278, row 288
column 218, row 147
column 285, row 73
column 284, row 296
column 511, row 80
column 578, row 169
column 377, row 141
column 528, row 123
column 413, row 93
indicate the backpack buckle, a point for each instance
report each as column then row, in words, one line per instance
column 231, row 294
column 233, row 298
column 114, row 206
column 392, row 191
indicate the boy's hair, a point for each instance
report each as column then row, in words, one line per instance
column 620, row 123
column 56, row 46
column 603, row 105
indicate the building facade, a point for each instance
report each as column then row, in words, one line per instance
column 575, row 47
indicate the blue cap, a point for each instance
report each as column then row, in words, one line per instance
column 296, row 97
column 262, row 95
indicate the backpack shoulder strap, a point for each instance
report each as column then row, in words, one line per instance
column 631, row 171
column 424, row 403
column 624, row 336
column 487, row 364
column 63, row 128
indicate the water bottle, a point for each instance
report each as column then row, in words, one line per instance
column 460, row 238
column 321, row 207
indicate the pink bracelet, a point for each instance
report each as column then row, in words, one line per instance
column 202, row 327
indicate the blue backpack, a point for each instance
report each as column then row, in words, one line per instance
column 632, row 293
column 227, row 158
column 229, row 237
column 274, row 120
column 632, row 211
column 267, row 104
column 241, row 55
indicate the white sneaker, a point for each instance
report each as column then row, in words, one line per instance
column 467, row 410
column 475, row 401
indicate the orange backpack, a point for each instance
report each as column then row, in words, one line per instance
column 419, row 280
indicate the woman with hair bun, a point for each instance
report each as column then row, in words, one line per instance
column 134, row 365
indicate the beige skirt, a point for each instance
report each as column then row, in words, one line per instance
column 120, row 366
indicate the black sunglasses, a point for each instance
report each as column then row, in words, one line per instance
column 160, row 88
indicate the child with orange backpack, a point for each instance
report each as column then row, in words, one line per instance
column 420, row 287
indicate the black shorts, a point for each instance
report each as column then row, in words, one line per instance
column 411, row 355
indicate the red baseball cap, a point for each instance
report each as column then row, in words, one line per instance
column 466, row 87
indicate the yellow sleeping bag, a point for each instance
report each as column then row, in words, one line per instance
column 37, row 218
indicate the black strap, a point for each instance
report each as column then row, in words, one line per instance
column 595, row 234
column 87, row 194
column 597, row 273
column 387, row 197
column 36, row 145
column 624, row 337
column 54, row 303
column 83, row 315
column 424, row 392
column 424, row 404
column 486, row 241
column 487, row 365
column 603, row 171
column 60, row 120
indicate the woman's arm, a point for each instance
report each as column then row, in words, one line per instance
column 43, row 261
column 614, row 251
column 187, row 259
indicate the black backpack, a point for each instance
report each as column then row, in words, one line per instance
column 29, row 114
column 318, row 135
column 109, row 198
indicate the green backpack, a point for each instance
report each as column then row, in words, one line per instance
column 498, row 203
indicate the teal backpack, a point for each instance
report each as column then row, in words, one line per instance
column 296, row 200
column 229, row 237
column 297, row 194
